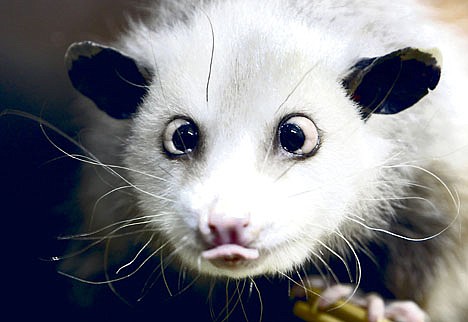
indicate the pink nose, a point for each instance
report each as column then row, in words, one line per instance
column 228, row 230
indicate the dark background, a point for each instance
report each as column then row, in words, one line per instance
column 37, row 185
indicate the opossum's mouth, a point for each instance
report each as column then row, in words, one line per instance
column 230, row 256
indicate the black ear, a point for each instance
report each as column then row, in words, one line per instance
column 114, row 81
column 392, row 83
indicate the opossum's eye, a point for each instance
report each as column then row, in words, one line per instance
column 180, row 137
column 299, row 135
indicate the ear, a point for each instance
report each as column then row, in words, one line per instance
column 114, row 81
column 394, row 82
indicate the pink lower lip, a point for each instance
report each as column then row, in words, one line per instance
column 230, row 253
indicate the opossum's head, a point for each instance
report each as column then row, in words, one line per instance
column 248, row 157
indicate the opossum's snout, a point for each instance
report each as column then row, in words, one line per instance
column 228, row 237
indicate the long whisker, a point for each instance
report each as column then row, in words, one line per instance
column 231, row 308
column 164, row 275
column 342, row 260
column 113, row 172
column 259, row 298
column 358, row 266
column 145, row 220
column 136, row 256
column 108, row 194
column 128, row 223
column 240, row 292
column 226, row 311
column 98, row 241
column 267, row 155
column 189, row 285
column 302, row 286
column 437, row 178
column 118, row 278
column 91, row 159
column 110, row 283
column 327, row 266
column 113, row 236
column 282, row 174
column 159, row 272
column 304, row 76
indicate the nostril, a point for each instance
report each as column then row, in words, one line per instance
column 225, row 230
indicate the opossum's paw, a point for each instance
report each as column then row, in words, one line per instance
column 377, row 308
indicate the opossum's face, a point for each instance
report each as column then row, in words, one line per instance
column 248, row 158
column 253, row 179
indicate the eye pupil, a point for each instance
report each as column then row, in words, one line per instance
column 292, row 137
column 180, row 137
column 299, row 136
column 185, row 138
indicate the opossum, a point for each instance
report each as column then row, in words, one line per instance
column 253, row 138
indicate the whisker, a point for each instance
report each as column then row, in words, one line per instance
column 181, row 277
column 342, row 260
column 295, row 87
column 95, row 161
column 229, row 311
column 259, row 299
column 114, row 279
column 301, row 280
column 106, row 195
column 385, row 231
column 306, row 289
column 151, row 280
column 327, row 266
column 113, row 236
column 226, row 306
column 358, row 268
column 240, row 292
column 91, row 159
column 126, row 225
column 106, row 274
column 210, row 299
column 164, row 275
column 433, row 175
column 322, row 274
column 267, row 155
column 127, row 221
column 185, row 288
column 136, row 256
column 97, row 241
column 285, row 171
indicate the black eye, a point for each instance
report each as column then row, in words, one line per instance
column 180, row 137
column 299, row 135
